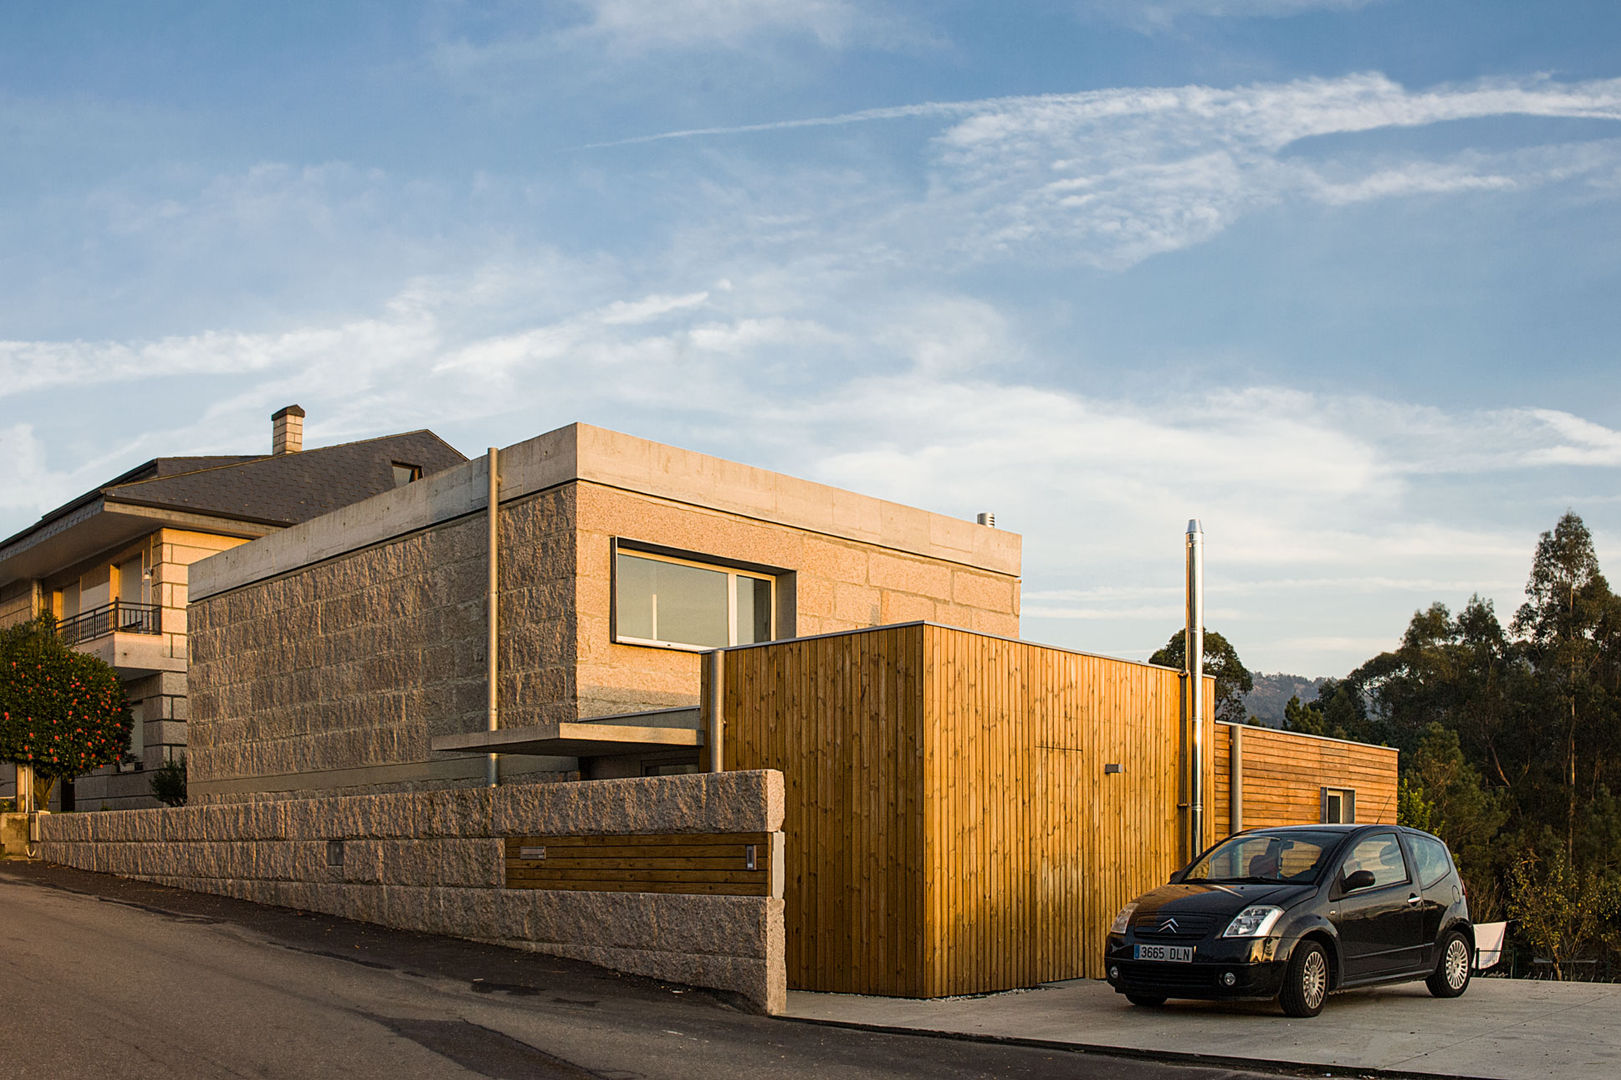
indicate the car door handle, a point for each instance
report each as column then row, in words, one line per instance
column 1414, row 899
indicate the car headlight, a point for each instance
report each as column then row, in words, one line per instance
column 1256, row 921
column 1123, row 920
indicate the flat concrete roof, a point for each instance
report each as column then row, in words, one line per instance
column 1505, row 1029
column 580, row 452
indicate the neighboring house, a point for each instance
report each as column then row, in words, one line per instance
column 113, row 566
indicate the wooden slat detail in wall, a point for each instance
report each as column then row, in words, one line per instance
column 1285, row 772
column 697, row 863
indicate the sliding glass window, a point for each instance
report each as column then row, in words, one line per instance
column 659, row 600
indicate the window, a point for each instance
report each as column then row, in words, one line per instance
column 1430, row 857
column 404, row 474
column 1380, row 855
column 662, row 600
column 130, row 581
column 1339, row 806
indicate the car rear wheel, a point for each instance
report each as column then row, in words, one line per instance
column 1147, row 1001
column 1305, row 986
column 1452, row 971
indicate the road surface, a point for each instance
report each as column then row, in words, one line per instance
column 111, row 978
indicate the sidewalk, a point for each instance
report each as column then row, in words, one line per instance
column 1502, row 1029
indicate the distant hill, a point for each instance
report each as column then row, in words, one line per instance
column 1272, row 693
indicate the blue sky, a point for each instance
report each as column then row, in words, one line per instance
column 1338, row 277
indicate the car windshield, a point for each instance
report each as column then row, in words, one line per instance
column 1264, row 858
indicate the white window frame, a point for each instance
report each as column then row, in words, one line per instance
column 732, row 573
column 1347, row 798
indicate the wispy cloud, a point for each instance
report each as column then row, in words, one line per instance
column 643, row 25
column 1113, row 177
column 1150, row 16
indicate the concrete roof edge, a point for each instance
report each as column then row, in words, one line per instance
column 635, row 464
column 581, row 452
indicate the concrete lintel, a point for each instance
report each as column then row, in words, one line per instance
column 568, row 739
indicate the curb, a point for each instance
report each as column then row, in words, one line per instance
column 1177, row 1057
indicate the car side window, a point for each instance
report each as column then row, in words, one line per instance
column 1379, row 854
column 1430, row 857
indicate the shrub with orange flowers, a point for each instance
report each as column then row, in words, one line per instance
column 61, row 711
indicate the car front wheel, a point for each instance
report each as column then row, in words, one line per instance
column 1305, row 986
column 1451, row 975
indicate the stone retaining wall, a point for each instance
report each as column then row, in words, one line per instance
column 433, row 862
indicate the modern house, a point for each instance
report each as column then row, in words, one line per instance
column 961, row 811
column 112, row 566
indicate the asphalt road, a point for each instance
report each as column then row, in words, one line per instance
column 110, row 978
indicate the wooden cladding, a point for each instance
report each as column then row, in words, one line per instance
column 841, row 717
column 731, row 864
column 1283, row 774
column 954, row 818
column 951, row 826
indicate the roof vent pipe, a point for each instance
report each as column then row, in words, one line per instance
column 986, row 518
column 1194, row 651
column 287, row 430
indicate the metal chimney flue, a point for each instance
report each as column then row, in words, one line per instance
column 1194, row 650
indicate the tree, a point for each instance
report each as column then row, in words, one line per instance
column 1571, row 622
column 1233, row 680
column 1562, row 910
column 1461, row 810
column 61, row 712
column 169, row 782
column 1460, row 673
column 1339, row 712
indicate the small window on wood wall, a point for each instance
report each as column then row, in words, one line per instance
column 1339, row 806
column 678, row 603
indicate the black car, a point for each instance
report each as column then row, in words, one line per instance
column 1294, row 913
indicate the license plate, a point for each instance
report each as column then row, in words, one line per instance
column 1182, row 954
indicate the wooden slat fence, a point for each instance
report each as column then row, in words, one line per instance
column 735, row 864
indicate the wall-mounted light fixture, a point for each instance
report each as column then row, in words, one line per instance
column 1114, row 767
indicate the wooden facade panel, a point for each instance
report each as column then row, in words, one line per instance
column 1283, row 774
column 737, row 864
column 1031, row 845
column 841, row 718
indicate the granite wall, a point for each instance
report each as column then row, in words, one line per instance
column 335, row 677
column 433, row 861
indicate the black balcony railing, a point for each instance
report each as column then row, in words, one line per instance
column 117, row 617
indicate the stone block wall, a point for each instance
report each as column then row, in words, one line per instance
column 335, row 677
column 433, row 862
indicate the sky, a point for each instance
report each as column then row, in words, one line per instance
column 1336, row 277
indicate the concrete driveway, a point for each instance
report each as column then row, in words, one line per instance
column 1509, row 1030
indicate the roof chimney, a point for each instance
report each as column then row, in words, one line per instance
column 287, row 430
column 985, row 517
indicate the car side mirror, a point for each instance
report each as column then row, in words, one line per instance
column 1357, row 879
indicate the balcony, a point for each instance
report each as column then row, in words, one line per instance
column 118, row 617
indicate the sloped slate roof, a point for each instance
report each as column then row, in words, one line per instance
column 282, row 489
